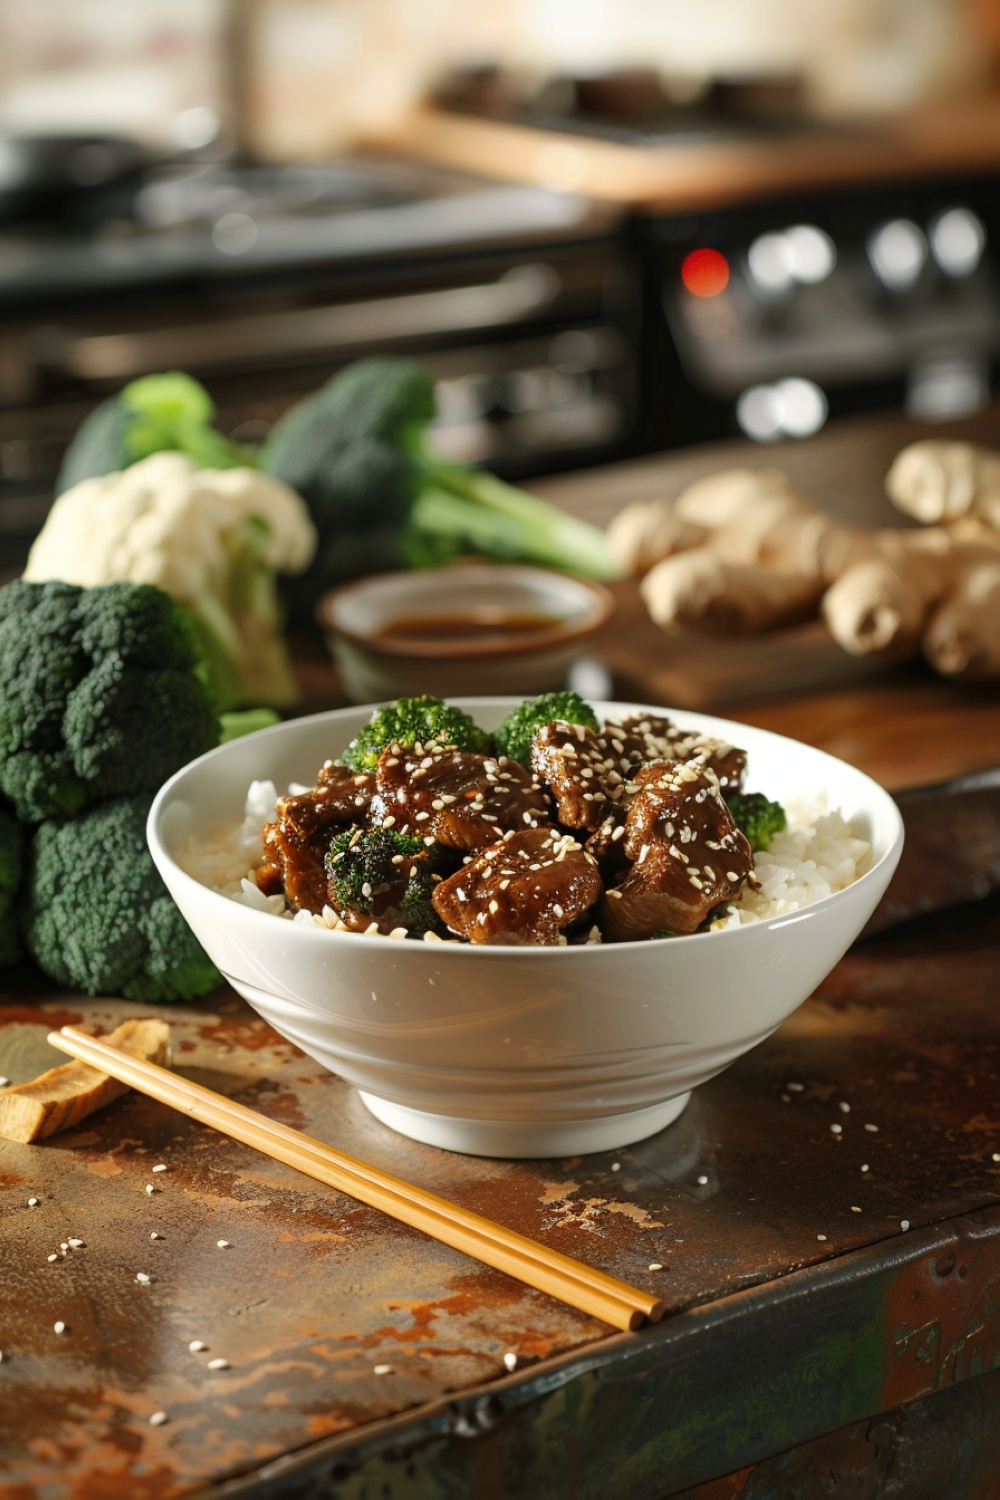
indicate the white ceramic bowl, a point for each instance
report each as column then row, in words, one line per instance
column 519, row 1052
column 570, row 612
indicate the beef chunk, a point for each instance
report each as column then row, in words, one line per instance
column 687, row 854
column 574, row 762
column 528, row 888
column 644, row 740
column 461, row 799
column 296, row 842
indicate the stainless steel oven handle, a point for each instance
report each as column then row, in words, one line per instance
column 516, row 296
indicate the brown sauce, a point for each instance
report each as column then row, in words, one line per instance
column 490, row 623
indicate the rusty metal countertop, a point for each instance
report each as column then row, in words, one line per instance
column 798, row 1302
column 751, row 1189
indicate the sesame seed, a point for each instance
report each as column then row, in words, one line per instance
column 821, row 1236
column 197, row 1347
column 143, row 1278
column 218, row 1364
column 616, row 1166
column 4, row 1083
column 155, row 1235
column 702, row 1181
column 904, row 1224
column 844, row 1107
column 150, row 1188
column 996, row 1156
column 510, row 1360
column 855, row 1209
column 382, row 1369
column 51, row 1258
column 32, row 1202
column 837, row 1129
column 75, row 1244
column 655, row 1265
column 161, row 1166
column 59, row 1327
column 222, row 1244
column 388, row 821
column 795, row 1088
column 872, row 1128
column 158, row 1418
column 64, row 1246
column 864, row 1167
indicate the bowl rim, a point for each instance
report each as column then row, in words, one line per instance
column 311, row 932
column 560, row 633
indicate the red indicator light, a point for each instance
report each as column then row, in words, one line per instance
column 705, row 273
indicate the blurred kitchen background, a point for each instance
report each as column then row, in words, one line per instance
column 607, row 227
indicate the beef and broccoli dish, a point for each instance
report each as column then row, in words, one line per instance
column 554, row 829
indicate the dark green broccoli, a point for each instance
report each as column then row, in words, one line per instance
column 101, row 694
column 356, row 452
column 11, row 866
column 152, row 414
column 414, row 721
column 96, row 915
column 383, row 874
column 517, row 731
column 759, row 818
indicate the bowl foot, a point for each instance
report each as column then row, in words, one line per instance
column 522, row 1139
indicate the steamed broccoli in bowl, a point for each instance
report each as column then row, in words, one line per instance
column 517, row 731
column 757, row 816
column 382, row 874
column 414, row 721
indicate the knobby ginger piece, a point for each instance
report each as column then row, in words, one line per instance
column 719, row 498
column 698, row 590
column 879, row 606
column 64, row 1096
column 647, row 531
column 941, row 481
column 962, row 638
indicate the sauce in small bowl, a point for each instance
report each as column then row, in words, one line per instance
column 470, row 627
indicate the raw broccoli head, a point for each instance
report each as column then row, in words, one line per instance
column 414, row 721
column 382, row 873
column 148, row 416
column 759, row 818
column 101, row 694
column 517, row 731
column 11, row 866
column 96, row 916
column 381, row 498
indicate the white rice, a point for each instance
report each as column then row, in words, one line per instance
column 818, row 853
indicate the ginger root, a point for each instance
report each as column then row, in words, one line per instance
column 942, row 481
column 743, row 551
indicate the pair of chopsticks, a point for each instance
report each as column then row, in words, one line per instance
column 591, row 1291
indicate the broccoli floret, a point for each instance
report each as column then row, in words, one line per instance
column 96, row 915
column 380, row 498
column 517, row 731
column 414, row 721
column 382, row 873
column 11, row 866
column 155, row 413
column 759, row 818
column 101, row 694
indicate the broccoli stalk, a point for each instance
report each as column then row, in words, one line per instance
column 97, row 916
column 518, row 730
column 759, row 818
column 357, row 452
column 150, row 415
column 414, row 721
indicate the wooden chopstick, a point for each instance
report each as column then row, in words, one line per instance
column 580, row 1286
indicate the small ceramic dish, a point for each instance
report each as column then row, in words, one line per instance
column 508, row 1051
column 468, row 628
